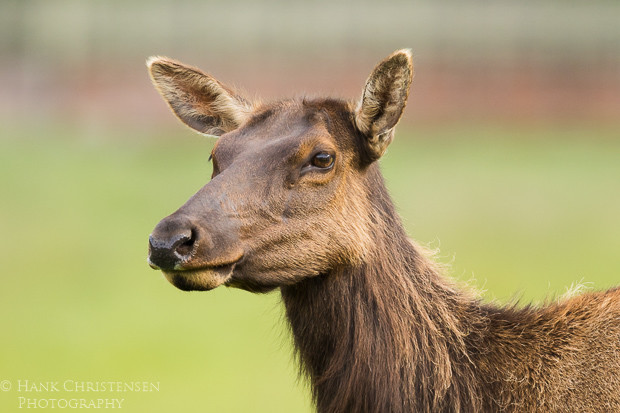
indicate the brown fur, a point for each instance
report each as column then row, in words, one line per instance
column 377, row 327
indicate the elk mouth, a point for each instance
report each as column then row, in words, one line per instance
column 201, row 279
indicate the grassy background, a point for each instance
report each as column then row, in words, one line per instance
column 525, row 210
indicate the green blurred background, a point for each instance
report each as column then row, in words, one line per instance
column 508, row 160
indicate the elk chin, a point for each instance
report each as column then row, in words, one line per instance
column 201, row 279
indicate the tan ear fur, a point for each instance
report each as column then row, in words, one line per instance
column 199, row 100
column 383, row 101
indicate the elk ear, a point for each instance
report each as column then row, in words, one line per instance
column 383, row 101
column 200, row 101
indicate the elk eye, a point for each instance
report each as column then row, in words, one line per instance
column 323, row 160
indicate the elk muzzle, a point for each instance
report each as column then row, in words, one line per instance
column 191, row 257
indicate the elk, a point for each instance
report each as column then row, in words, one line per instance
column 297, row 203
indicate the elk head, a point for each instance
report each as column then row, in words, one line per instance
column 289, row 195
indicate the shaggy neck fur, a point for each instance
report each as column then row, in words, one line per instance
column 391, row 335
column 388, row 335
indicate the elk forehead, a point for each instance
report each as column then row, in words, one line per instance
column 287, row 131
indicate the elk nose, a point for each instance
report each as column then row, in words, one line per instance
column 170, row 245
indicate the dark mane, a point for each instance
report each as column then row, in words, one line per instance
column 389, row 323
column 393, row 335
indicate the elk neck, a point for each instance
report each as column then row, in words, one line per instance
column 386, row 334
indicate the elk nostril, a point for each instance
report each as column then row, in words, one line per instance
column 184, row 246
